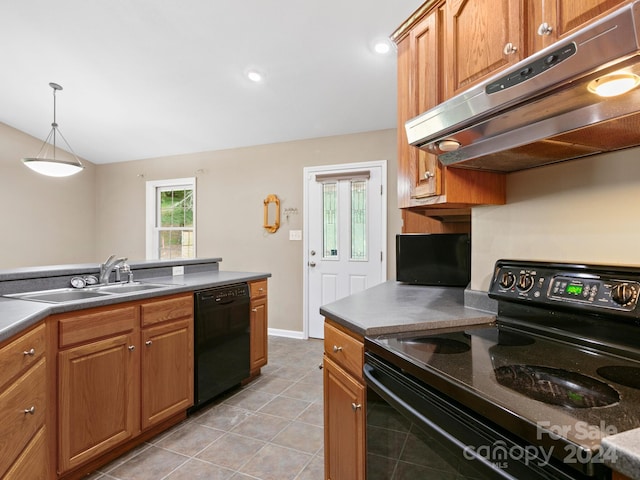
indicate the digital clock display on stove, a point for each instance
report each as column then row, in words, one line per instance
column 573, row 289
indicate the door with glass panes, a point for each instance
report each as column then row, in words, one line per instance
column 346, row 231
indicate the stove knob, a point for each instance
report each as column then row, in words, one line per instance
column 623, row 293
column 507, row 280
column 525, row 282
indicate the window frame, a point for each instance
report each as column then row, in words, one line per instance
column 152, row 213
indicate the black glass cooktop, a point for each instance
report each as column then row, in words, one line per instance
column 524, row 381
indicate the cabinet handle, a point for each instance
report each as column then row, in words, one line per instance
column 30, row 353
column 336, row 349
column 545, row 29
column 429, row 175
column 132, row 348
column 261, row 289
column 148, row 342
column 356, row 406
column 254, row 310
column 509, row 49
column 30, row 411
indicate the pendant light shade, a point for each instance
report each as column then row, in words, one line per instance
column 50, row 165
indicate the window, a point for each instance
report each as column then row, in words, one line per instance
column 171, row 219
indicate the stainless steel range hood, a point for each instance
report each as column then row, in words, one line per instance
column 540, row 111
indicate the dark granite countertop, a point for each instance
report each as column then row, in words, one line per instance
column 17, row 315
column 397, row 307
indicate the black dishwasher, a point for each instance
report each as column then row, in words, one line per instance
column 221, row 332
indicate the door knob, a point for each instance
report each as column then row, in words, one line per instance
column 312, row 264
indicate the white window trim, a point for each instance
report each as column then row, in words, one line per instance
column 151, row 211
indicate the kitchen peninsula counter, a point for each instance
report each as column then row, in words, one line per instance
column 18, row 315
column 394, row 307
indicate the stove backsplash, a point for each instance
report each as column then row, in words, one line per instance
column 578, row 211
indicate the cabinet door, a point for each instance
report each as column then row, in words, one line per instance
column 344, row 417
column 167, row 370
column 551, row 20
column 259, row 338
column 99, row 398
column 483, row 36
column 425, row 92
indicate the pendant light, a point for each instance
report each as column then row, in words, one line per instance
column 53, row 167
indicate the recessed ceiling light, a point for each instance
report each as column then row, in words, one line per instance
column 255, row 76
column 382, row 46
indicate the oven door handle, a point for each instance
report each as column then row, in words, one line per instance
column 400, row 405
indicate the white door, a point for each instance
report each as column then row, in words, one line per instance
column 345, row 234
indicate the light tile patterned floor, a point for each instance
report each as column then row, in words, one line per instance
column 270, row 429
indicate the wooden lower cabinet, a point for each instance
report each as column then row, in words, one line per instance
column 344, row 406
column 24, row 447
column 259, row 326
column 122, row 371
column 344, row 425
column 98, row 398
column 167, row 370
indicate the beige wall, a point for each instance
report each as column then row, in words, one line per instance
column 583, row 211
column 231, row 186
column 46, row 221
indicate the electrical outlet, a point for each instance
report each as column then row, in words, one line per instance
column 295, row 234
column 178, row 270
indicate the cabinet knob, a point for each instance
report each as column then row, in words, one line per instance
column 132, row 348
column 336, row 349
column 320, row 366
column 429, row 175
column 30, row 411
column 509, row 49
column 148, row 342
column 261, row 289
column 254, row 310
column 356, row 406
column 30, row 353
column 545, row 29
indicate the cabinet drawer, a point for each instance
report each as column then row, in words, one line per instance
column 18, row 426
column 97, row 324
column 345, row 350
column 33, row 463
column 162, row 310
column 21, row 353
column 258, row 289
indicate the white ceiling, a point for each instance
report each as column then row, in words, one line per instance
column 150, row 78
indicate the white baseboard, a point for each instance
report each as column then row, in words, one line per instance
column 277, row 332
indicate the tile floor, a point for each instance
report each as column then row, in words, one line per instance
column 270, row 429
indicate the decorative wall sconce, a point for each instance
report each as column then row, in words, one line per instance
column 271, row 213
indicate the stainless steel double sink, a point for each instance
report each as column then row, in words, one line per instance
column 63, row 295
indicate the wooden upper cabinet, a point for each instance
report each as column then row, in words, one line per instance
column 423, row 62
column 425, row 91
column 483, row 36
column 552, row 20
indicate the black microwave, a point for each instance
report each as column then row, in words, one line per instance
column 434, row 259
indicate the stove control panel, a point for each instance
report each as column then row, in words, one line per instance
column 596, row 288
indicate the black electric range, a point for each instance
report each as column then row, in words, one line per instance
column 556, row 372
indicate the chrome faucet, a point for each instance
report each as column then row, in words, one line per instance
column 107, row 267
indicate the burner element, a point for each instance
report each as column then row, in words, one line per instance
column 627, row 376
column 437, row 344
column 556, row 386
